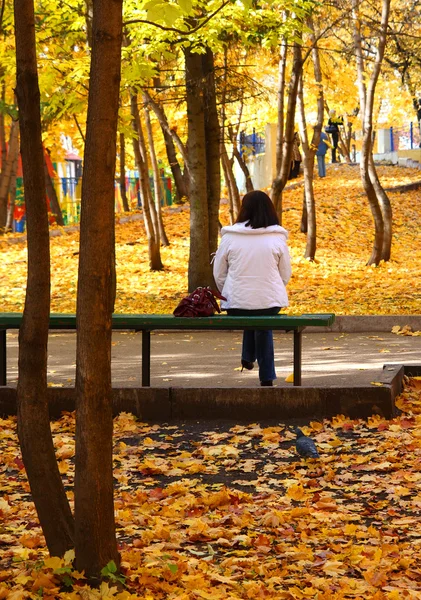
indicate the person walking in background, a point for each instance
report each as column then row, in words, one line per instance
column 251, row 268
column 332, row 129
column 321, row 153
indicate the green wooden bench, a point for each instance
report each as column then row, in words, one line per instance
column 148, row 323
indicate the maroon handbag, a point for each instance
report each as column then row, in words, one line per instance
column 200, row 303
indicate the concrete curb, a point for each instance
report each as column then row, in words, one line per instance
column 239, row 404
column 367, row 323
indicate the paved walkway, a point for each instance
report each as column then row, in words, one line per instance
column 203, row 359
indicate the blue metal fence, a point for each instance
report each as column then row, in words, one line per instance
column 405, row 138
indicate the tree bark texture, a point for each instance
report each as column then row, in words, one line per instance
column 95, row 538
column 279, row 182
column 123, row 191
column 156, row 179
column 6, row 172
column 212, row 133
column 199, row 271
column 33, row 418
column 152, row 234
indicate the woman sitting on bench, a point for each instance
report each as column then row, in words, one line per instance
column 252, row 267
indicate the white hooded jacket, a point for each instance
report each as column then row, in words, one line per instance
column 252, row 267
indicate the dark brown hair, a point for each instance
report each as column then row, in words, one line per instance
column 257, row 210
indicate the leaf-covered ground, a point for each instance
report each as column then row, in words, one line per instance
column 223, row 511
column 339, row 281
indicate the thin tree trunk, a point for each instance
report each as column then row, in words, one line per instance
column 79, row 128
column 308, row 166
column 181, row 180
column 156, row 180
column 95, row 538
column 147, row 188
column 376, row 196
column 243, row 166
column 279, row 182
column 155, row 263
column 385, row 207
column 311, row 149
column 199, row 271
column 5, row 178
column 12, row 195
column 3, row 145
column 123, row 192
column 231, row 184
column 281, row 104
column 212, row 133
column 33, row 416
column 233, row 193
column 52, row 196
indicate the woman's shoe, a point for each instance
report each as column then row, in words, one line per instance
column 246, row 364
column 268, row 383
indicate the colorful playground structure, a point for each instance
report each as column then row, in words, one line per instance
column 67, row 181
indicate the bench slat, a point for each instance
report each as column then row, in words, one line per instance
column 151, row 322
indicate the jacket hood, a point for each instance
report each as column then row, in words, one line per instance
column 243, row 229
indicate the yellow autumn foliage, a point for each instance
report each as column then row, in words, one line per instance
column 338, row 281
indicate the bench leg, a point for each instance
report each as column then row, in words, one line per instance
column 297, row 356
column 3, row 357
column 146, row 358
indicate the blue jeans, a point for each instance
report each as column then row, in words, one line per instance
column 321, row 165
column 258, row 344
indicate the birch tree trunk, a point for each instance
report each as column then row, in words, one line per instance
column 95, row 536
column 34, row 430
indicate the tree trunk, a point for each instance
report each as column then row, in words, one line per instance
column 52, row 196
column 199, row 271
column 33, row 417
column 181, row 180
column 279, row 182
column 123, row 192
column 156, row 180
column 243, row 167
column 3, row 145
column 233, row 192
column 95, row 537
column 281, row 104
column 5, row 178
column 155, row 263
column 385, row 208
column 308, row 166
column 377, row 198
column 12, row 195
column 212, row 133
